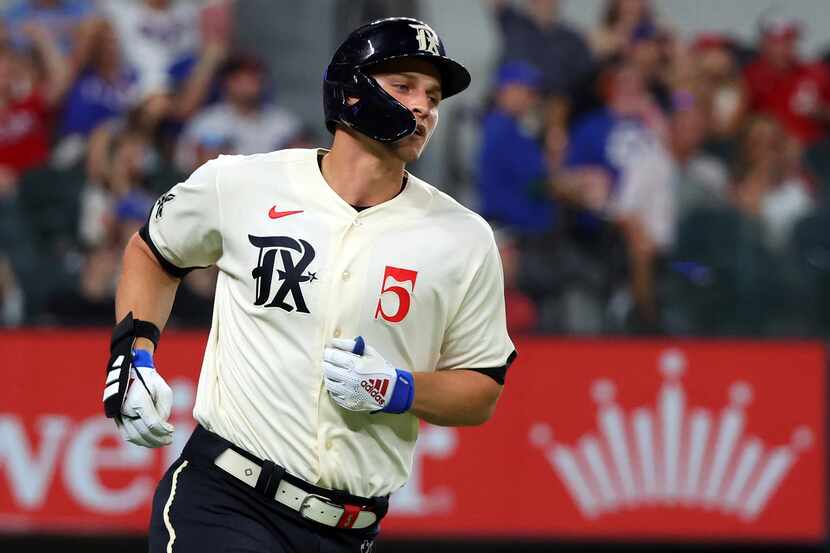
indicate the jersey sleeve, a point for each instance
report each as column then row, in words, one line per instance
column 477, row 335
column 183, row 230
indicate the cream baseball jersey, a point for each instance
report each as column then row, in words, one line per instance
column 418, row 276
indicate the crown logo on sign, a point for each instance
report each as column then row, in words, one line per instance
column 670, row 454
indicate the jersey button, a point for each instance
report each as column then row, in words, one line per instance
column 346, row 275
column 329, row 444
column 357, row 222
column 337, row 333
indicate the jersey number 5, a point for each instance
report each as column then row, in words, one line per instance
column 393, row 277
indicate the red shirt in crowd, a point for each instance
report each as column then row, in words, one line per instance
column 790, row 95
column 24, row 133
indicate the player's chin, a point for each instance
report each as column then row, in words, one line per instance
column 410, row 149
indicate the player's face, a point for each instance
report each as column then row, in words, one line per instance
column 417, row 85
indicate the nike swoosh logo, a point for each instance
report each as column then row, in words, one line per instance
column 274, row 214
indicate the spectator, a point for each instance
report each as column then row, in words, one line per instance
column 125, row 153
column 719, row 83
column 609, row 152
column 769, row 184
column 536, row 34
column 621, row 22
column 160, row 37
column 146, row 120
column 700, row 180
column 62, row 19
column 653, row 52
column 244, row 119
column 27, row 97
column 90, row 301
column 657, row 184
column 780, row 85
column 606, row 139
column 111, row 216
column 106, row 86
column 512, row 171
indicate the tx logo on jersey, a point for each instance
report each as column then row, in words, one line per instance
column 427, row 38
column 273, row 252
column 160, row 203
column 397, row 287
column 377, row 389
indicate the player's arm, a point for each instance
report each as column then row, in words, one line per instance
column 182, row 233
column 135, row 395
column 358, row 378
column 144, row 288
column 455, row 398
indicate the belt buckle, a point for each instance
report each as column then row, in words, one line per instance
column 345, row 516
column 309, row 511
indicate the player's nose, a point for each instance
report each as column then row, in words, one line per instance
column 420, row 104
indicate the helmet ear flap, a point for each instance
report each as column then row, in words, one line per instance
column 376, row 113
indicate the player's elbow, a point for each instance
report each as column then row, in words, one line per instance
column 484, row 408
column 479, row 417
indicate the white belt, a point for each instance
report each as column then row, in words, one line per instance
column 309, row 505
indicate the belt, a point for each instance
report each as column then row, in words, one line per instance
column 309, row 505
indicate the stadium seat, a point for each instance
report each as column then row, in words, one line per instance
column 721, row 279
column 811, row 250
column 49, row 203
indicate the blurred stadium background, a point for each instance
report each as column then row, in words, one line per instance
column 657, row 173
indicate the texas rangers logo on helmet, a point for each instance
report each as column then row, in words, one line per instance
column 427, row 38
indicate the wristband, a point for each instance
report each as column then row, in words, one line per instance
column 403, row 393
column 142, row 358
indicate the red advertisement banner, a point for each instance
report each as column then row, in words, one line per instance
column 592, row 439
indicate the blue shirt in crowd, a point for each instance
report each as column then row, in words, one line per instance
column 93, row 99
column 512, row 177
column 607, row 140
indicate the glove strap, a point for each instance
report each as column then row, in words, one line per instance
column 121, row 359
column 402, row 394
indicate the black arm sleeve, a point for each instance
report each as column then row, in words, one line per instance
column 169, row 268
column 498, row 373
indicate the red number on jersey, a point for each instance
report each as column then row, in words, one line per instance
column 397, row 276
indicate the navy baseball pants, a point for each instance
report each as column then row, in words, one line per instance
column 198, row 508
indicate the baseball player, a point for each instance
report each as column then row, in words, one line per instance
column 353, row 299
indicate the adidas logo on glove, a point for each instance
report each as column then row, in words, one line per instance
column 377, row 389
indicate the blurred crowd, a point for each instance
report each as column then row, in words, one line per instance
column 104, row 106
column 648, row 183
column 639, row 181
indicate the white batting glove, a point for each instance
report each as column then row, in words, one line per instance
column 147, row 405
column 358, row 378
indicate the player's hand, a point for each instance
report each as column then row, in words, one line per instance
column 147, row 405
column 358, row 378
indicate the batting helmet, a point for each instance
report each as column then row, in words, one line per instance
column 376, row 114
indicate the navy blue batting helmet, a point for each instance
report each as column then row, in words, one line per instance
column 376, row 114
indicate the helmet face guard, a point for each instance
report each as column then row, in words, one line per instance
column 377, row 114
